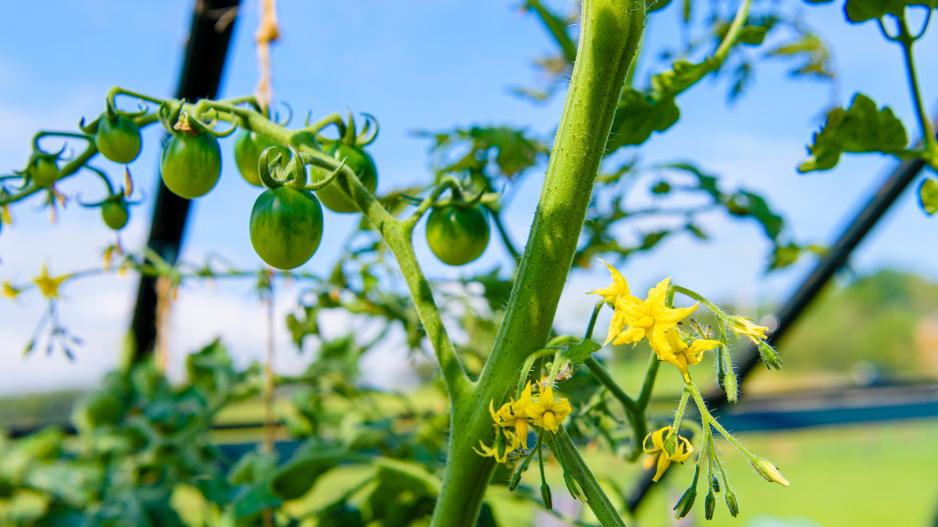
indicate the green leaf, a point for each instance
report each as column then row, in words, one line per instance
column 862, row 10
column 860, row 128
column 640, row 114
column 582, row 351
column 929, row 195
column 298, row 477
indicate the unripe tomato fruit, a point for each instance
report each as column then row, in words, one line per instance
column 247, row 151
column 115, row 214
column 190, row 164
column 457, row 236
column 286, row 226
column 360, row 162
column 118, row 139
column 43, row 171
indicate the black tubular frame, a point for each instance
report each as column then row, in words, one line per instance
column 206, row 50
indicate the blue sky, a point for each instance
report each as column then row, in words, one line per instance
column 430, row 65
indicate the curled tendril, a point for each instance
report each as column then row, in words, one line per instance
column 263, row 167
column 299, row 168
column 328, row 180
column 289, row 117
column 210, row 127
column 363, row 139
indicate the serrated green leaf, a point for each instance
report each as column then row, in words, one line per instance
column 640, row 114
column 860, row 128
column 862, row 10
column 929, row 196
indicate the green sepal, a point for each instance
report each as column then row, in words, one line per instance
column 860, row 128
column 769, row 356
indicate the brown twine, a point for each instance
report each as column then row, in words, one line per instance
column 267, row 32
column 165, row 295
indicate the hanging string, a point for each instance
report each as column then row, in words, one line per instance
column 165, row 294
column 267, row 32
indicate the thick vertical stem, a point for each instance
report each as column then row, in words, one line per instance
column 611, row 30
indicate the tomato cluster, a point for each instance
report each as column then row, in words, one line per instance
column 286, row 222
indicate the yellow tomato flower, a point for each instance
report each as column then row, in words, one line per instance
column 678, row 353
column 512, row 414
column 651, row 318
column 682, row 450
column 511, row 444
column 9, row 291
column 48, row 285
column 618, row 287
column 743, row 326
column 548, row 414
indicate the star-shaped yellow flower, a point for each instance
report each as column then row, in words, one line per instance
column 682, row 450
column 547, row 413
column 48, row 285
column 512, row 414
column 511, row 443
column 743, row 326
column 10, row 291
column 618, row 287
column 651, row 318
column 678, row 353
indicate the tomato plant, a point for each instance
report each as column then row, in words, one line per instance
column 457, row 235
column 517, row 386
column 191, row 164
column 286, row 226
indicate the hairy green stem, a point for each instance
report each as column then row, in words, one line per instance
column 595, row 497
column 611, row 30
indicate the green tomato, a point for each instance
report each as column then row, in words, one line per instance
column 118, row 139
column 248, row 148
column 360, row 162
column 115, row 214
column 190, row 164
column 286, row 226
column 457, row 236
column 43, row 171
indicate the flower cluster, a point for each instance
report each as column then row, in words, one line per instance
column 513, row 418
column 635, row 319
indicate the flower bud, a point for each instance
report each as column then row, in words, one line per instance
column 769, row 471
column 731, row 503
column 684, row 504
column 545, row 496
column 709, row 504
column 715, row 484
column 515, row 480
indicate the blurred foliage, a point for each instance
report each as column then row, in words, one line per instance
column 888, row 319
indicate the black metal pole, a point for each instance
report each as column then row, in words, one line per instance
column 829, row 264
column 212, row 24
